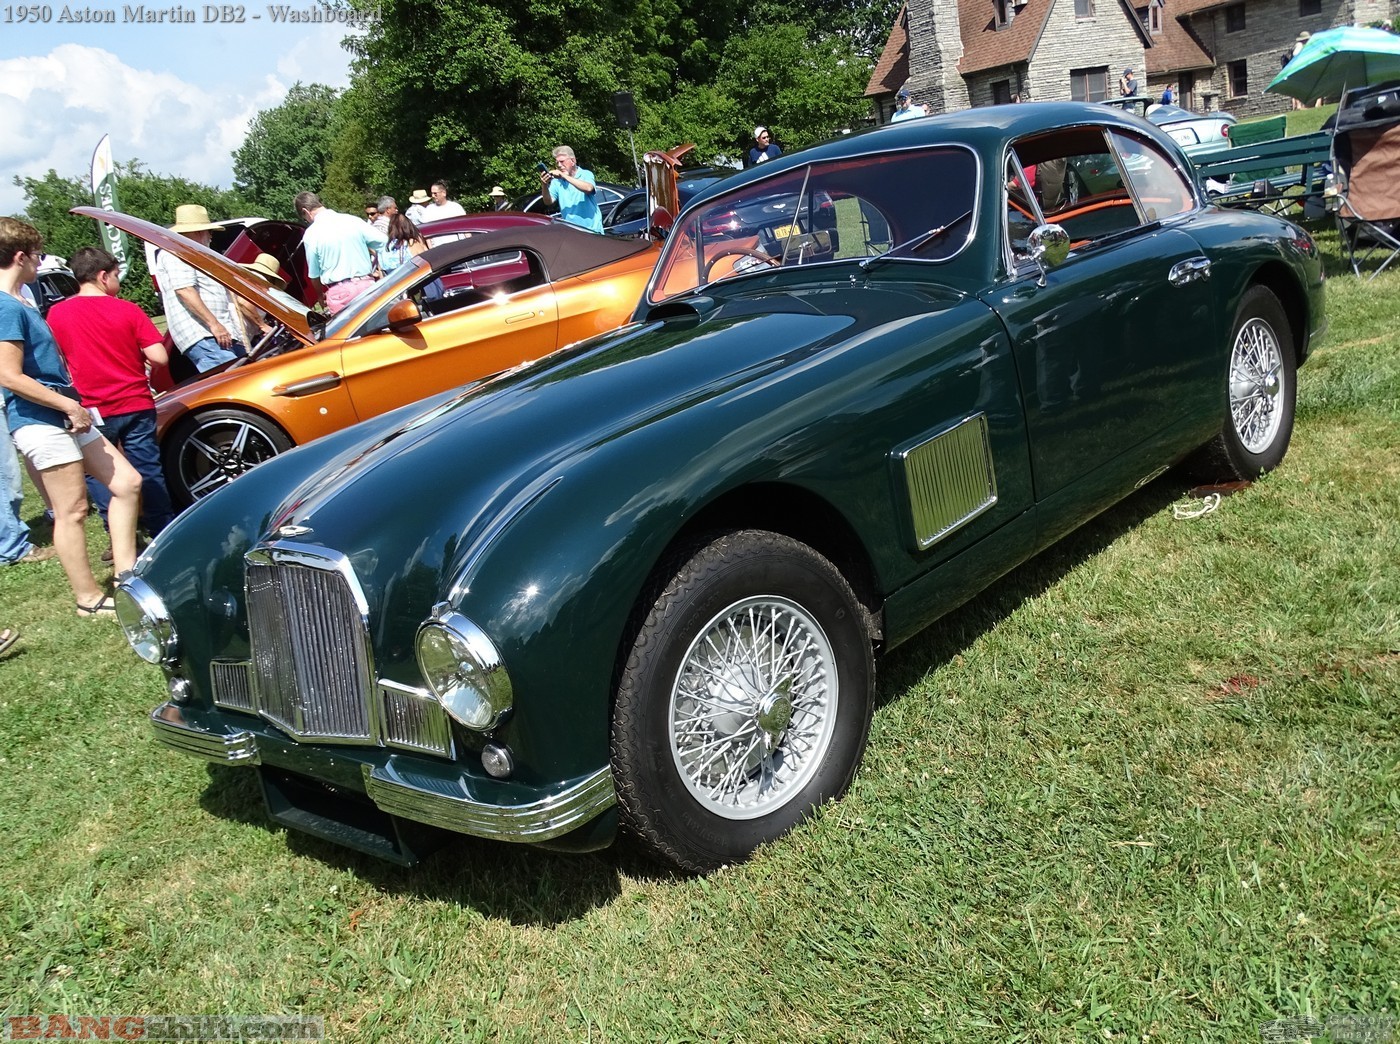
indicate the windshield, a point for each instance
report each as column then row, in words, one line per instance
column 832, row 211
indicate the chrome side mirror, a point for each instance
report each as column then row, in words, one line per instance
column 1048, row 246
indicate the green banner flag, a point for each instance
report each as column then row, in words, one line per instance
column 104, row 194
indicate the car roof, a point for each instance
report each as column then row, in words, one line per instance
column 565, row 249
column 1165, row 114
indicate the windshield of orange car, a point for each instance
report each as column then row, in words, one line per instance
column 342, row 324
column 832, row 211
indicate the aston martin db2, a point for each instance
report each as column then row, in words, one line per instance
column 643, row 583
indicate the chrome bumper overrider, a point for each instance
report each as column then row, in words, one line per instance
column 424, row 799
column 232, row 748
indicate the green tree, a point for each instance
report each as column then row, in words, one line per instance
column 478, row 91
column 141, row 194
column 288, row 149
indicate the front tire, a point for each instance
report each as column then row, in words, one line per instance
column 211, row 449
column 1261, row 393
column 745, row 700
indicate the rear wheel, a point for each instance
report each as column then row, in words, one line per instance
column 211, row 449
column 1261, row 393
column 745, row 701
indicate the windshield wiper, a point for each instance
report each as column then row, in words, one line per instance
column 917, row 243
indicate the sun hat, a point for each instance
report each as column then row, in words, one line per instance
column 419, row 196
column 191, row 217
column 496, row 190
column 268, row 268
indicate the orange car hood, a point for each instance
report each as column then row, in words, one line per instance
column 207, row 261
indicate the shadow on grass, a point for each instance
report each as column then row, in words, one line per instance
column 954, row 633
column 522, row 884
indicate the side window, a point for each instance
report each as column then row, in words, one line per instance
column 476, row 280
column 1079, row 183
column 1160, row 188
column 633, row 209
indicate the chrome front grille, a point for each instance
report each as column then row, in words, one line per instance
column 311, row 655
column 312, row 670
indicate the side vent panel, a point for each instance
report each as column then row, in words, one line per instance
column 948, row 479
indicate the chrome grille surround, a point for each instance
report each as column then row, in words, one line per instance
column 308, row 626
column 949, row 479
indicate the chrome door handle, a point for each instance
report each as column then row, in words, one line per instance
column 1189, row 271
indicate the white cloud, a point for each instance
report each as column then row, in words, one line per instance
column 60, row 104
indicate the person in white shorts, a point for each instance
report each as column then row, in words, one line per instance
column 55, row 431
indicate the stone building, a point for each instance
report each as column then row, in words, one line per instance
column 1217, row 54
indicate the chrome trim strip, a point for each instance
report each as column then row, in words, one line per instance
column 949, row 479
column 230, row 748
column 540, row 820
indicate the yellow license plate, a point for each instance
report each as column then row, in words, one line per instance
column 782, row 231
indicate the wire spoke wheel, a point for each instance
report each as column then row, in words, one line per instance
column 1256, row 385
column 753, row 707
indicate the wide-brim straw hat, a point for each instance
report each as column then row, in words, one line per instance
column 267, row 266
column 191, row 217
column 419, row 196
column 496, row 190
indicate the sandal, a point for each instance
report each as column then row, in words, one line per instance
column 8, row 637
column 104, row 606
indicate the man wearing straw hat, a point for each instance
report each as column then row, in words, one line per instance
column 417, row 211
column 199, row 312
column 269, row 271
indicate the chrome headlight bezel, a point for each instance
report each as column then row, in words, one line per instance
column 145, row 621
column 463, row 668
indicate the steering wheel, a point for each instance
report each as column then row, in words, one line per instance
column 772, row 262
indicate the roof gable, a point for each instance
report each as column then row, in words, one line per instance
column 892, row 70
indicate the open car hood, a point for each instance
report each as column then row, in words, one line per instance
column 207, row 261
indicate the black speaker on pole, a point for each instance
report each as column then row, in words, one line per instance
column 626, row 110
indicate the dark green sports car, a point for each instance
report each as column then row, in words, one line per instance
column 644, row 582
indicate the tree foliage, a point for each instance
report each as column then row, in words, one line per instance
column 140, row 193
column 476, row 91
column 288, row 149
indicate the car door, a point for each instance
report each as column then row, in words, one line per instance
column 478, row 316
column 1102, row 361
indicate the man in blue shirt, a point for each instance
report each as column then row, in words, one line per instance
column 572, row 188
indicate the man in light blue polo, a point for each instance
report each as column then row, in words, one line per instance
column 572, row 188
column 338, row 248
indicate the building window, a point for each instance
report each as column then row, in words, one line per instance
column 1239, row 79
column 1003, row 10
column 1309, row 7
column 1001, row 92
column 1083, row 8
column 1088, row 84
column 1154, row 19
column 1234, row 18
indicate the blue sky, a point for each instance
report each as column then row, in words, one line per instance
column 178, row 97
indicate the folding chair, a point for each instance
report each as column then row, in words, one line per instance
column 1368, row 211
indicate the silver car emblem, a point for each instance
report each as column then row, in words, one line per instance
column 291, row 529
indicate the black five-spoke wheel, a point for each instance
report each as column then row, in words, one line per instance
column 212, row 449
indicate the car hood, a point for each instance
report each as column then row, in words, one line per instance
column 412, row 494
column 210, row 263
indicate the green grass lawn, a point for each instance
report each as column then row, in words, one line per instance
column 1144, row 788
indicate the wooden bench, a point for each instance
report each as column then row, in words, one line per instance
column 1300, row 158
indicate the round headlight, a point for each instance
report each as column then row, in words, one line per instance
column 143, row 618
column 464, row 670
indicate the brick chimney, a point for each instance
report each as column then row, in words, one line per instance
column 935, row 48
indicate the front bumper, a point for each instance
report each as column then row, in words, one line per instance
column 397, row 785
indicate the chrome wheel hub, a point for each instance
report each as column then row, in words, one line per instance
column 752, row 710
